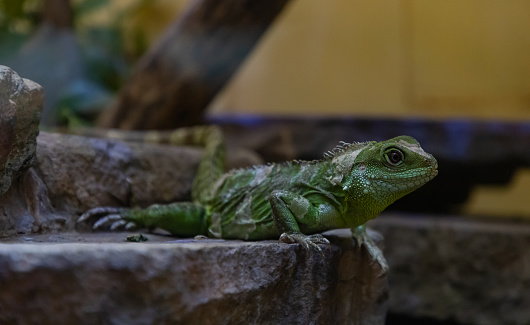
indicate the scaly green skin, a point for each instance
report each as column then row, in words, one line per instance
column 294, row 200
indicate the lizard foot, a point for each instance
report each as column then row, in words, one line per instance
column 374, row 252
column 107, row 217
column 308, row 242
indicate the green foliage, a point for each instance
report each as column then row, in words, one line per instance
column 87, row 6
column 12, row 12
column 105, row 60
column 18, row 20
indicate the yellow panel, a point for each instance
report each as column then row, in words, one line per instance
column 505, row 201
column 323, row 57
column 471, row 58
column 453, row 58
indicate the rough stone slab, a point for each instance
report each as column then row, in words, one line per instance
column 472, row 271
column 81, row 173
column 187, row 282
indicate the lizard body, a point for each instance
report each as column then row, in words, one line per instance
column 293, row 201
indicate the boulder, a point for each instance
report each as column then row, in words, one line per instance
column 20, row 109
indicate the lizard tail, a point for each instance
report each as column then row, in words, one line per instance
column 212, row 165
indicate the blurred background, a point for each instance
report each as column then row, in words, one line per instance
column 454, row 62
column 294, row 80
column 456, row 59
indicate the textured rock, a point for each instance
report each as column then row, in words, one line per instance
column 20, row 109
column 83, row 173
column 472, row 271
column 189, row 282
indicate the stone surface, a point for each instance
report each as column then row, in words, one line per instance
column 82, row 173
column 187, row 282
column 471, row 271
column 20, row 109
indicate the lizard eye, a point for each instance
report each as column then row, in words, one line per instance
column 394, row 157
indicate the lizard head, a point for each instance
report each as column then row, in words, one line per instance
column 382, row 172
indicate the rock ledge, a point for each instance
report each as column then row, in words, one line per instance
column 186, row 281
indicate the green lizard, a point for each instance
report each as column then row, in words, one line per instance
column 293, row 201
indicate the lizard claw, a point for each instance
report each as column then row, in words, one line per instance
column 130, row 226
column 110, row 217
column 308, row 242
column 99, row 211
column 118, row 224
column 106, row 220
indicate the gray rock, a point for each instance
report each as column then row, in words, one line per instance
column 188, row 282
column 472, row 271
column 20, row 109
column 81, row 173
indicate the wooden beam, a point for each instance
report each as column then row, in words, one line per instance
column 176, row 80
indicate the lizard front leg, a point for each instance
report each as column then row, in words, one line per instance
column 179, row 218
column 289, row 211
column 363, row 240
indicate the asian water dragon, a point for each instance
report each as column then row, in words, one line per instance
column 293, row 201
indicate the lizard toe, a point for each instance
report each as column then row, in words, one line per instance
column 118, row 224
column 99, row 211
column 319, row 239
column 130, row 226
column 287, row 239
column 104, row 221
column 309, row 243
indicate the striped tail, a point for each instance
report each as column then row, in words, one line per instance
column 212, row 165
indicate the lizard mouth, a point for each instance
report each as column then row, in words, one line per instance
column 434, row 173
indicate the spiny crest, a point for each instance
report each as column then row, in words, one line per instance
column 269, row 164
column 343, row 146
column 294, row 162
column 340, row 148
